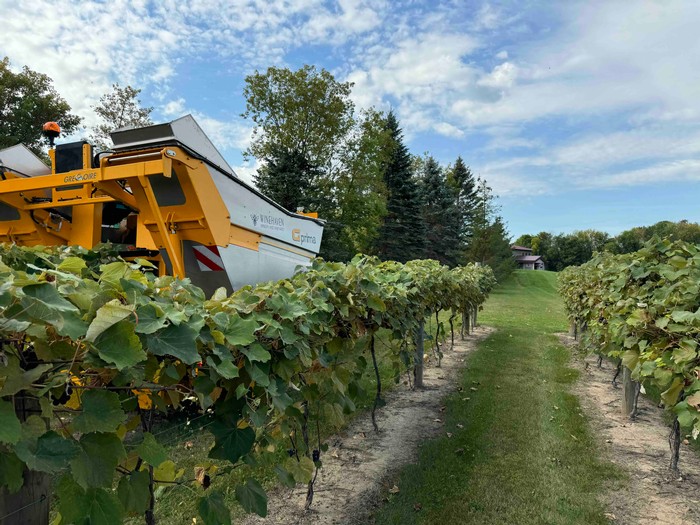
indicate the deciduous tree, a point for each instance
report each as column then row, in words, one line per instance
column 28, row 100
column 306, row 110
column 117, row 109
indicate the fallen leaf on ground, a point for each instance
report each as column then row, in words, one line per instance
column 394, row 490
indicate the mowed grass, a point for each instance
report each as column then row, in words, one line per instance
column 520, row 450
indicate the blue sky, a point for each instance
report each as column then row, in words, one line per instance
column 579, row 114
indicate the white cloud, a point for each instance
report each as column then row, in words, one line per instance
column 174, row 108
column 503, row 76
column 674, row 171
column 225, row 135
column 448, row 130
column 247, row 171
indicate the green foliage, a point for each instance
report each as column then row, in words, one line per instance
column 265, row 362
column 490, row 242
column 402, row 233
column 441, row 215
column 572, row 249
column 28, row 100
column 305, row 111
column 461, row 179
column 643, row 308
column 213, row 510
column 117, row 109
column 317, row 154
column 288, row 177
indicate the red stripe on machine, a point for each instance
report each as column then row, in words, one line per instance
column 208, row 258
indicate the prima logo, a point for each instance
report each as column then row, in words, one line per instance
column 302, row 238
column 254, row 218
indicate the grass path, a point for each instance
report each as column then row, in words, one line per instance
column 520, row 450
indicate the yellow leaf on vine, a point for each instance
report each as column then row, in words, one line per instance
column 144, row 398
column 74, row 402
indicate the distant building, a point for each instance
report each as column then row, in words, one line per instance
column 525, row 260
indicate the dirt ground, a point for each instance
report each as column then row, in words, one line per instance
column 652, row 495
column 359, row 464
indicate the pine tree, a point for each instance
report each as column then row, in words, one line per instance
column 441, row 215
column 402, row 233
column 286, row 178
column 490, row 241
column 465, row 186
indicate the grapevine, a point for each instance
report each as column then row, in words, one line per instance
column 94, row 345
column 643, row 309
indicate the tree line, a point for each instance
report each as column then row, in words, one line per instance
column 316, row 153
column 573, row 249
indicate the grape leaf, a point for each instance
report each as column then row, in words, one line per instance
column 120, row 345
column 177, row 341
column 47, row 295
column 11, row 471
column 100, row 455
column 104, row 507
column 74, row 265
column 49, row 453
column 230, row 443
column 102, row 412
column 133, row 491
column 72, row 502
column 256, row 352
column 213, row 510
column 108, row 315
column 10, row 427
column 252, row 497
column 151, row 451
column 302, row 470
column 240, row 331
column 150, row 319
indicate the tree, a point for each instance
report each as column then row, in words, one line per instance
column 118, row 109
column 462, row 180
column 305, row 110
column 402, row 233
column 524, row 240
column 28, row 100
column 490, row 242
column 359, row 192
column 286, row 177
column 443, row 222
column 307, row 114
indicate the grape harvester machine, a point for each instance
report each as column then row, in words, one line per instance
column 164, row 193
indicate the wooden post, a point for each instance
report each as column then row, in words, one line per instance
column 418, row 365
column 629, row 390
column 474, row 317
column 30, row 505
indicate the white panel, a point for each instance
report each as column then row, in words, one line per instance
column 21, row 158
column 245, row 266
column 251, row 211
